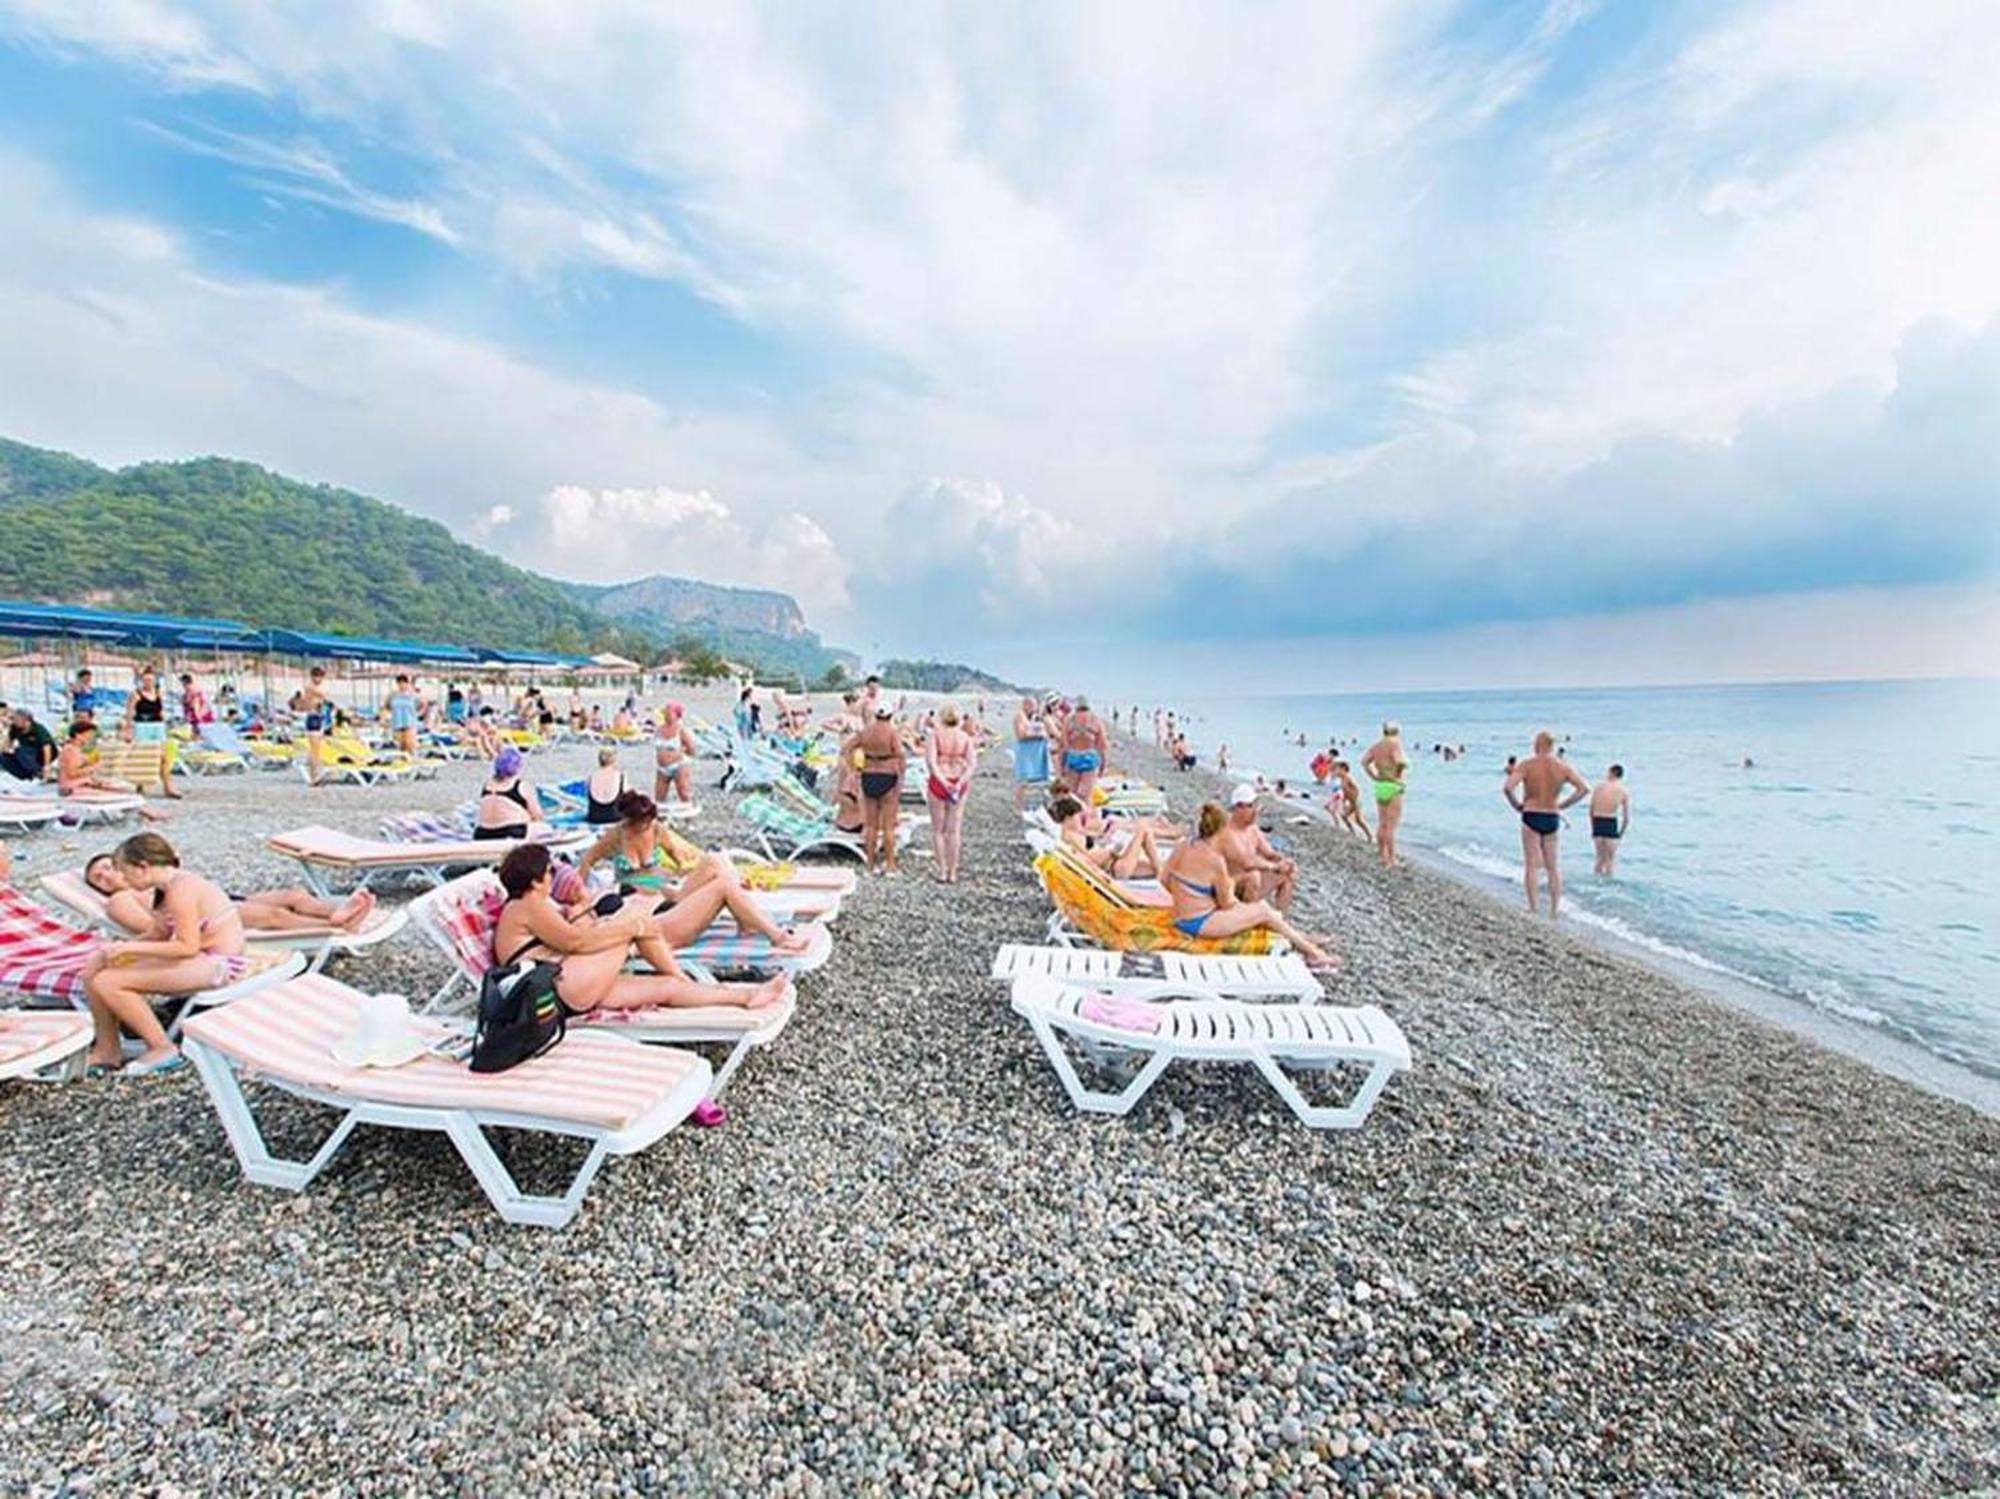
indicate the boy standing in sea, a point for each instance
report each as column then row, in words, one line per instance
column 1610, row 815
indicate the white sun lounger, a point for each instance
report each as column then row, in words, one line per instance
column 324, row 852
column 618, row 1097
column 45, row 1045
column 1162, row 974
column 458, row 917
column 318, row 943
column 1269, row 1037
column 21, row 813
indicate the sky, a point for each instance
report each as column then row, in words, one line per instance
column 1553, row 339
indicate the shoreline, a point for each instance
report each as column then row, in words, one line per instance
column 1873, row 1047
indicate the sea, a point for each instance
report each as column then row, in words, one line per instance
column 1833, row 845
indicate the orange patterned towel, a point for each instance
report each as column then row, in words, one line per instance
column 1089, row 905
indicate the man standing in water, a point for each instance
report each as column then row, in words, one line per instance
column 1541, row 779
column 1610, row 815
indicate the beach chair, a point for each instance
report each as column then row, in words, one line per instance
column 784, row 832
column 140, row 765
column 324, row 854
column 69, row 889
column 1126, row 915
column 206, row 757
column 78, row 809
column 1158, row 975
column 22, row 813
column 598, row 1088
column 43, row 1045
column 43, row 957
column 1274, row 1038
column 461, row 918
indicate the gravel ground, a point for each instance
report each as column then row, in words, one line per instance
column 1606, row 1237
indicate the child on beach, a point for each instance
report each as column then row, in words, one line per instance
column 1344, row 806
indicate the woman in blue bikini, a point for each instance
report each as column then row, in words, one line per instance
column 1206, row 904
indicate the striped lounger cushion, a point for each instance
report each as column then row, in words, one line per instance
column 288, row 1034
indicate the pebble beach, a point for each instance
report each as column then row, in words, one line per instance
column 1606, row 1236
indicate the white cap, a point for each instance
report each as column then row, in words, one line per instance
column 1243, row 796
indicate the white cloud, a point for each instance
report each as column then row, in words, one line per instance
column 967, row 551
column 610, row 534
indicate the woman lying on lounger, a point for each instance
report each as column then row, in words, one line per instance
column 1121, row 854
column 200, row 946
column 592, row 949
column 649, row 859
column 287, row 910
column 1205, row 900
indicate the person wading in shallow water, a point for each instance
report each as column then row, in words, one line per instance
column 1540, row 780
column 1610, row 816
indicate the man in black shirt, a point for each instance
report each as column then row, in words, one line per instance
column 33, row 750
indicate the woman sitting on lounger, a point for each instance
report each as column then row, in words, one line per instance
column 1122, row 854
column 1205, row 901
column 592, row 949
column 287, row 910
column 649, row 859
column 200, row 947
column 508, row 807
column 74, row 770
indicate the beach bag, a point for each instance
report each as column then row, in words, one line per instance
column 519, row 1014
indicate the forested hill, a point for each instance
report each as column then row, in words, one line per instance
column 214, row 537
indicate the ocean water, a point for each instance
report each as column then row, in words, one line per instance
column 1853, row 866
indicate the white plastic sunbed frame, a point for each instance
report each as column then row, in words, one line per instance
column 59, row 1056
column 1269, row 1037
column 465, row 1128
column 1162, row 974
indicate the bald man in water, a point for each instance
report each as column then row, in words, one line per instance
column 1540, row 779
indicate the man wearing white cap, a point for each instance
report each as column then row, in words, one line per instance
column 1251, row 859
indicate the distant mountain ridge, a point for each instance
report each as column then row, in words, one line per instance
column 220, row 537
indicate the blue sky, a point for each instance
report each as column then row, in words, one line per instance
column 1215, row 325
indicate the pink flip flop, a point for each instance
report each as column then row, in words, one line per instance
column 707, row 1114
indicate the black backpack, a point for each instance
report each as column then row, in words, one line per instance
column 519, row 1014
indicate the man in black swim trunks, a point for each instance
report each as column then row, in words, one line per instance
column 1610, row 815
column 1541, row 779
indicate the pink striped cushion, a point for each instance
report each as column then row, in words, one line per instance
column 25, row 1032
column 38, row 953
column 288, row 1033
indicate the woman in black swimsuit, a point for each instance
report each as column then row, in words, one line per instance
column 146, row 723
column 603, row 788
column 507, row 802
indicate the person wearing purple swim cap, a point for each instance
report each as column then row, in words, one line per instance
column 508, row 805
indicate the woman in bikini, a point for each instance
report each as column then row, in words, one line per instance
column 197, row 944
column 1122, row 855
column 878, row 751
column 1387, row 767
column 1205, row 901
column 592, row 949
column 649, row 859
column 508, row 806
column 286, row 910
column 949, row 759
column 673, row 757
